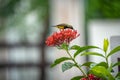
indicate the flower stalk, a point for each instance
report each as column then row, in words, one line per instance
column 76, row 64
column 106, row 58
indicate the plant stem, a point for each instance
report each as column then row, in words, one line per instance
column 77, row 64
column 106, row 59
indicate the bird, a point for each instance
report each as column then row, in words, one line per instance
column 64, row 26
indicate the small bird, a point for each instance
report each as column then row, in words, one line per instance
column 64, row 26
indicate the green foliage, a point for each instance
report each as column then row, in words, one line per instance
column 42, row 5
column 101, row 72
column 7, row 7
column 84, row 48
column 110, row 68
column 116, row 64
column 92, row 65
column 77, row 78
column 103, row 9
column 117, row 77
column 104, row 64
column 116, row 49
column 64, row 46
column 105, row 45
column 58, row 61
column 88, row 64
column 13, row 14
column 92, row 53
column 67, row 65
column 75, row 47
column 39, row 3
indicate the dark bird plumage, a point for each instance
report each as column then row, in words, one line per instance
column 64, row 26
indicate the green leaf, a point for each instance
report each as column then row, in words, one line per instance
column 116, row 49
column 102, row 72
column 81, row 49
column 118, row 75
column 58, row 61
column 87, row 64
column 93, row 65
column 104, row 64
column 116, row 64
column 110, row 68
column 75, row 47
column 77, row 78
column 64, row 46
column 91, row 53
column 117, row 78
column 105, row 45
column 67, row 65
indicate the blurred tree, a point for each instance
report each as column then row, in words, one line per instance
column 13, row 12
column 7, row 7
column 108, row 9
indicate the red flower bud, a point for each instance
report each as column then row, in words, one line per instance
column 91, row 76
column 83, row 79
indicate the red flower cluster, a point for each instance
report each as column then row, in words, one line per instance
column 63, row 36
column 91, row 77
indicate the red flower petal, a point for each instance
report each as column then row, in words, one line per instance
column 63, row 36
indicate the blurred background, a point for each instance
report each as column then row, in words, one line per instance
column 25, row 24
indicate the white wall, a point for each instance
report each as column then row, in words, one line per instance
column 100, row 29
